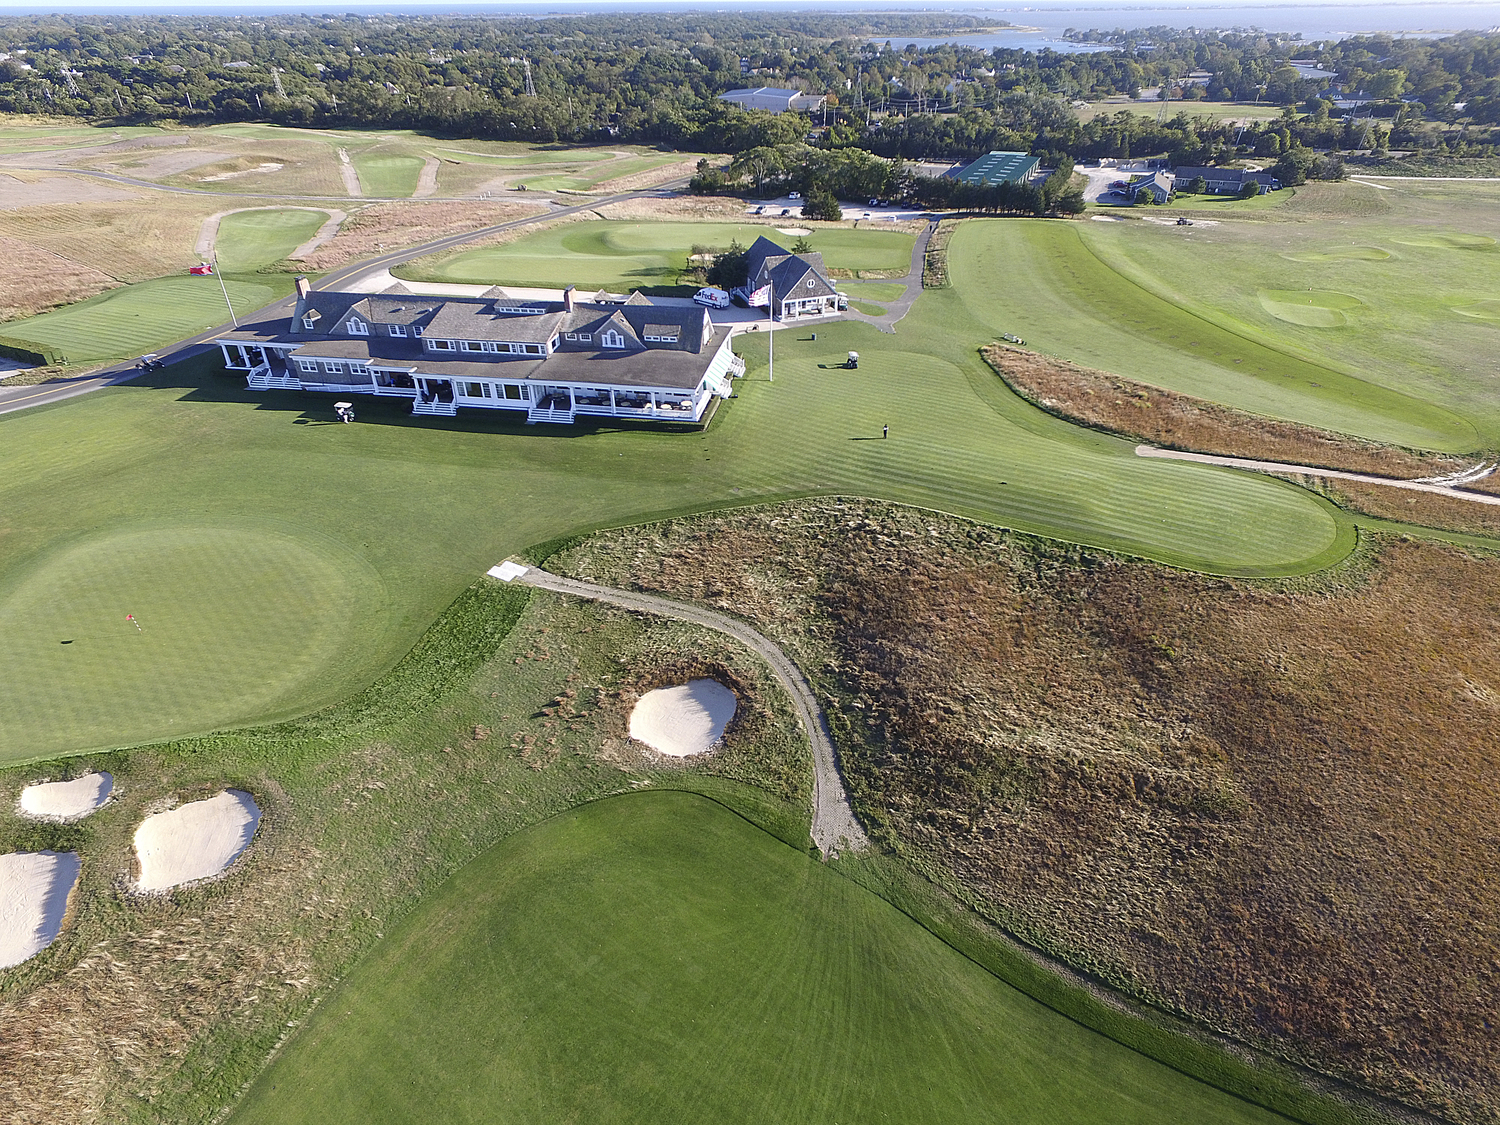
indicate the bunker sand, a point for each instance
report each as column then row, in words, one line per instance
column 684, row 720
column 66, row 800
column 34, row 892
column 197, row 841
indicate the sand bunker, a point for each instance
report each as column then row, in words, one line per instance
column 66, row 800
column 196, row 841
column 683, row 720
column 34, row 890
column 795, row 232
column 1340, row 254
column 1311, row 308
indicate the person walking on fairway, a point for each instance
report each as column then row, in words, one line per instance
column 885, row 432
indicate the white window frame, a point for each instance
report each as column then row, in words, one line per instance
column 357, row 327
column 584, row 338
column 611, row 339
column 441, row 345
column 333, row 367
column 309, row 323
column 416, row 330
column 469, row 346
column 359, row 369
column 308, row 365
column 396, row 329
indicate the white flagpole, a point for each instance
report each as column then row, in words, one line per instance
column 225, row 290
column 771, row 310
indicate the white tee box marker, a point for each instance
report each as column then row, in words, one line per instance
column 507, row 571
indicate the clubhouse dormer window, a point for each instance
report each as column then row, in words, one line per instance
column 309, row 322
column 612, row 339
column 396, row 329
column 358, row 327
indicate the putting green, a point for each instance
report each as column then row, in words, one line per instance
column 1339, row 254
column 654, row 957
column 619, row 255
column 1480, row 310
column 1311, row 308
column 139, row 318
column 227, row 621
column 388, row 177
column 1448, row 241
column 252, row 240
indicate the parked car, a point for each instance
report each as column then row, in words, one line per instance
column 712, row 298
column 874, row 203
column 794, row 195
column 150, row 362
column 786, row 211
column 1184, row 222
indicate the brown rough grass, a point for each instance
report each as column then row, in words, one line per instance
column 130, row 240
column 691, row 207
column 1270, row 807
column 649, row 178
column 393, row 225
column 36, row 280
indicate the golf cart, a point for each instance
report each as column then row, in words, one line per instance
column 852, row 363
column 343, row 411
column 150, row 362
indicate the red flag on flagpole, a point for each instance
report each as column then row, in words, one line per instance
column 202, row 270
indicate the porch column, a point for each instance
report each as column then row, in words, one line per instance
column 614, row 410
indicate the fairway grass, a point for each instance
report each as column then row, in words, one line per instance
column 1045, row 282
column 138, row 318
column 252, row 240
column 386, row 176
column 1312, row 308
column 655, row 957
column 620, row 255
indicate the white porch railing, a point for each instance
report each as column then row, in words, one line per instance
column 542, row 414
column 261, row 379
column 435, row 409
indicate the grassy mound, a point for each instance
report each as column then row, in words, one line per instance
column 251, row 240
column 230, row 620
column 1339, row 254
column 1311, row 308
column 1480, row 310
column 393, row 177
column 618, row 255
column 655, row 957
column 137, row 318
column 1448, row 241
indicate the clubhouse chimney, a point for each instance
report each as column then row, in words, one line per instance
column 302, row 288
column 568, row 298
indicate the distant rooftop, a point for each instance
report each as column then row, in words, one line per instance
column 998, row 168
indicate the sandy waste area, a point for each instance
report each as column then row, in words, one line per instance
column 34, row 890
column 66, row 800
column 683, row 720
column 196, row 841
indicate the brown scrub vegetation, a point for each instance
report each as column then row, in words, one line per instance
column 1269, row 806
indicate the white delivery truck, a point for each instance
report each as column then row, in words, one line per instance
column 713, row 298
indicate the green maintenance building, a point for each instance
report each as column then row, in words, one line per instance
column 999, row 168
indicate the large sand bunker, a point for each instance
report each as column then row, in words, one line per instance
column 683, row 720
column 34, row 890
column 66, row 800
column 196, row 841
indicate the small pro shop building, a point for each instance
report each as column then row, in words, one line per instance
column 555, row 360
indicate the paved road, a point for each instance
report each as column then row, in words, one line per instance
column 834, row 827
column 20, row 398
column 1310, row 471
column 895, row 310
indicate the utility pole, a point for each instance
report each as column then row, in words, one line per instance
column 276, row 81
column 530, row 86
column 68, row 78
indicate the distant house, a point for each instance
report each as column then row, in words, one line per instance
column 999, row 168
column 1227, row 181
column 775, row 100
column 798, row 284
column 553, row 361
column 1158, row 186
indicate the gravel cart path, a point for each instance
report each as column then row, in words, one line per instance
column 834, row 827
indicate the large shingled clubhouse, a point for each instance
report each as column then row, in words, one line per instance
column 610, row 357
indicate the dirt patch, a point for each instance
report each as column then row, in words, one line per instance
column 391, row 225
column 649, row 178
column 36, row 280
column 696, row 207
column 41, row 191
column 1268, row 806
